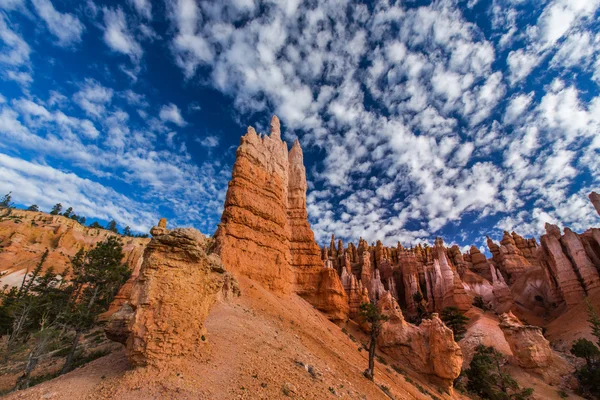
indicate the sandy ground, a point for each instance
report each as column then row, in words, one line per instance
column 260, row 347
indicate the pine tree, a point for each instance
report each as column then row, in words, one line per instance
column 96, row 225
column 455, row 320
column 56, row 209
column 593, row 320
column 112, row 226
column 127, row 231
column 6, row 201
column 82, row 220
column 588, row 376
column 375, row 319
column 33, row 207
column 488, row 380
column 97, row 276
column 585, row 349
column 68, row 212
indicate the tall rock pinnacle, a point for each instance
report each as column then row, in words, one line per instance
column 264, row 232
column 275, row 127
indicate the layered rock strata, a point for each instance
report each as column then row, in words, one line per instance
column 264, row 232
column 25, row 235
column 527, row 343
column 177, row 285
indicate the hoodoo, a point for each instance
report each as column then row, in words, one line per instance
column 178, row 283
column 264, row 232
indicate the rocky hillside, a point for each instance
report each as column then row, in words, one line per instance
column 260, row 311
column 25, row 235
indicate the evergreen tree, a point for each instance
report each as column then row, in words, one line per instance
column 97, row 277
column 593, row 320
column 588, row 376
column 375, row 319
column 127, row 231
column 68, row 212
column 455, row 320
column 33, row 207
column 56, row 209
column 6, row 201
column 585, row 349
column 112, row 226
column 488, row 380
column 96, row 225
column 82, row 220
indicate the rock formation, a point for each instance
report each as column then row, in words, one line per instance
column 568, row 263
column 528, row 344
column 264, row 232
column 25, row 235
column 178, row 283
column 595, row 199
column 508, row 257
column 428, row 348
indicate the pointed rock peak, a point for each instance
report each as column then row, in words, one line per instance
column 595, row 199
column 275, row 127
column 552, row 229
column 251, row 130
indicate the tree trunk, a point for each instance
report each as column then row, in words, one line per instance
column 69, row 360
column 370, row 372
column 23, row 381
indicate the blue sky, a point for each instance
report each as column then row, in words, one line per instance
column 418, row 119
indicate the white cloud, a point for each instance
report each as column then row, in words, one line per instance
column 171, row 113
column 189, row 46
column 143, row 8
column 11, row 4
column 45, row 186
column 118, row 36
column 93, row 98
column 521, row 63
column 209, row 141
column 517, row 106
column 14, row 53
column 66, row 27
column 561, row 15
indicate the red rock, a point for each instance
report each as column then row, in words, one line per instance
column 528, row 344
column 429, row 348
column 264, row 232
column 577, row 254
column 559, row 268
column 178, row 283
column 595, row 199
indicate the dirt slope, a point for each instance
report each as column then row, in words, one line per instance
column 260, row 348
